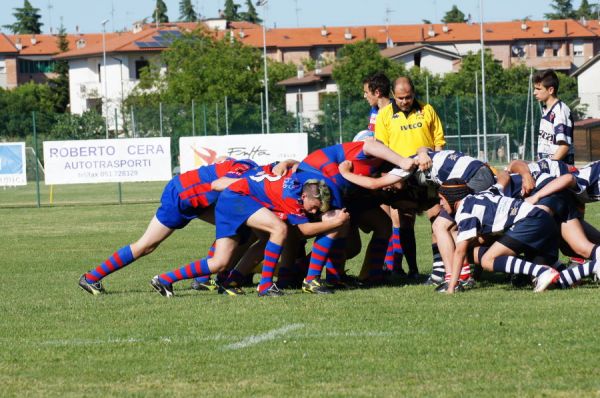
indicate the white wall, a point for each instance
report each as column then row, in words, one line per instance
column 589, row 89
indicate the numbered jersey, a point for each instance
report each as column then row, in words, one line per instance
column 280, row 194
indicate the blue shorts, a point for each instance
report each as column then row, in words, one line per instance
column 232, row 212
column 173, row 212
column 536, row 233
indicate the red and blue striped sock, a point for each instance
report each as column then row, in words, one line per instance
column 211, row 253
column 398, row 251
column 376, row 256
column 189, row 271
column 318, row 257
column 389, row 255
column 118, row 260
column 272, row 253
column 334, row 267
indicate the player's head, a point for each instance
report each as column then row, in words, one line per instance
column 404, row 93
column 451, row 192
column 315, row 196
column 545, row 85
column 375, row 87
column 363, row 135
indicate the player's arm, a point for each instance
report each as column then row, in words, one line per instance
column 220, row 184
column 377, row 149
column 329, row 221
column 558, row 184
column 364, row 181
column 520, row 167
column 458, row 259
column 561, row 151
column 282, row 167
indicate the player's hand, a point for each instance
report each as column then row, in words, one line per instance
column 342, row 216
column 424, row 161
column 527, row 186
column 345, row 166
column 280, row 169
column 407, row 164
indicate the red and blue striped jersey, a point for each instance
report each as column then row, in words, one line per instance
column 280, row 194
column 326, row 161
column 194, row 186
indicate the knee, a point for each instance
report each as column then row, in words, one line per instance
column 279, row 229
column 487, row 262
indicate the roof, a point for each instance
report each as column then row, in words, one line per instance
column 48, row 44
column 586, row 65
column 309, row 78
column 396, row 52
column 6, row 45
column 588, row 123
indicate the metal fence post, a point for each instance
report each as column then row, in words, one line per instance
column 340, row 114
column 193, row 120
column 458, row 123
column 204, row 111
column 160, row 118
column 217, row 116
column 226, row 117
column 37, row 162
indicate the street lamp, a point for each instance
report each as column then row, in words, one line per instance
column 262, row 3
column 105, row 100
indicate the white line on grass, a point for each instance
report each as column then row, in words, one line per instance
column 259, row 338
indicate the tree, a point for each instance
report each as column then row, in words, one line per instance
column 454, row 16
column 160, row 12
column 230, row 12
column 563, row 10
column 250, row 15
column 587, row 11
column 187, row 12
column 60, row 84
column 28, row 20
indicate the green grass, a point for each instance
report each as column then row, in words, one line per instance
column 56, row 340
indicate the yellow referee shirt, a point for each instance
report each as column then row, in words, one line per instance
column 404, row 134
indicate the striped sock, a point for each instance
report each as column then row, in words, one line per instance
column 515, row 265
column 398, row 251
column 409, row 248
column 318, row 257
column 334, row 267
column 571, row 276
column 465, row 272
column 211, row 253
column 389, row 255
column 272, row 253
column 437, row 270
column 118, row 260
column 376, row 256
column 189, row 271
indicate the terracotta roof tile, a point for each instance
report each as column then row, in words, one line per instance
column 6, row 45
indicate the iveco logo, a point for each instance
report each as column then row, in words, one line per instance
column 411, row 126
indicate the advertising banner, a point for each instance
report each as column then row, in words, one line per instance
column 262, row 148
column 113, row 160
column 12, row 164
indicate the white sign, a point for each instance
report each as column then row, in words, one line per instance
column 115, row 160
column 12, row 164
column 262, row 148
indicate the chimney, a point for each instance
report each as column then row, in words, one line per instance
column 138, row 26
column 242, row 34
column 348, row 34
column 300, row 72
column 431, row 32
column 324, row 32
column 80, row 43
column 33, row 40
column 524, row 25
column 583, row 21
column 546, row 28
column 18, row 44
column 445, row 28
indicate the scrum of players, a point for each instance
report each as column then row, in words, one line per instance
column 510, row 221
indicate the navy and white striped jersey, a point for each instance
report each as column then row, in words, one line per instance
column 549, row 167
column 588, row 183
column 485, row 213
column 556, row 126
column 452, row 164
column 514, row 189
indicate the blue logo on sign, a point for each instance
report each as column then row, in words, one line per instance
column 11, row 160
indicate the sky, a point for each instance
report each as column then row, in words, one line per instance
column 88, row 14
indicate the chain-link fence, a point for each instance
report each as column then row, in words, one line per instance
column 337, row 119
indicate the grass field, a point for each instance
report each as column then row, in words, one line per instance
column 56, row 340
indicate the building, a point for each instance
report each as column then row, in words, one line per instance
column 588, row 76
column 586, row 137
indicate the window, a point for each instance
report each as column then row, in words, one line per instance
column 100, row 73
column 578, row 48
column 540, row 48
column 299, row 103
column 27, row 66
column 417, row 59
column 2, row 67
column 555, row 48
column 139, row 65
column 94, row 104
